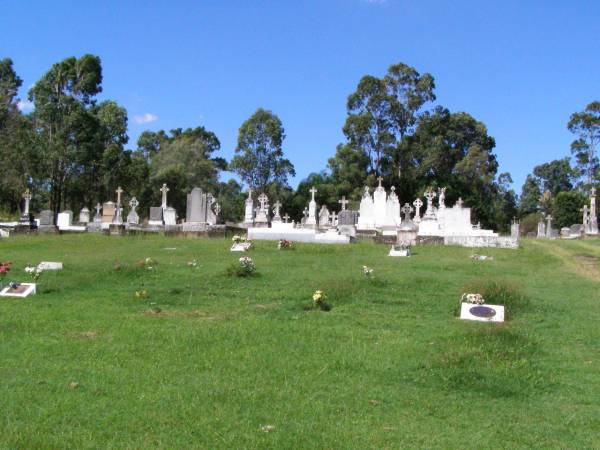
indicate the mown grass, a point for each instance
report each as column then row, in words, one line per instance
column 86, row 364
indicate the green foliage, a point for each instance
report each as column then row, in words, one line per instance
column 530, row 196
column 586, row 126
column 555, row 176
column 567, row 208
column 528, row 224
column 258, row 156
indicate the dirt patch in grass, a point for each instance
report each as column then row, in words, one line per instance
column 85, row 334
column 195, row 313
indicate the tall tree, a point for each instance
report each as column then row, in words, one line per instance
column 586, row 126
column 529, row 200
column 62, row 99
column 382, row 112
column 555, row 176
column 259, row 158
column 18, row 162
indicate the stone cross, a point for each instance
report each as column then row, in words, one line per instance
column 276, row 207
column 264, row 201
column 313, row 191
column 27, row 197
column 380, row 179
column 286, row 218
column 459, row 202
column 217, row 209
column 418, row 204
column 343, row 202
column 407, row 209
column 119, row 191
column 164, row 189
column 249, row 192
column 333, row 217
column 133, row 203
column 98, row 208
column 430, row 195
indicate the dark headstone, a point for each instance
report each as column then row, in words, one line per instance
column 347, row 217
column 46, row 217
column 156, row 214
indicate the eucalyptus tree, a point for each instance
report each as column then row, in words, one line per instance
column 62, row 120
column 383, row 111
column 586, row 126
column 259, row 159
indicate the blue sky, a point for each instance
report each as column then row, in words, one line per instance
column 521, row 67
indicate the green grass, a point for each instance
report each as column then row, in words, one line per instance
column 390, row 366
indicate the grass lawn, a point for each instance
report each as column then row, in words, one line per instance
column 86, row 364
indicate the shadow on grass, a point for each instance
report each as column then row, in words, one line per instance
column 487, row 359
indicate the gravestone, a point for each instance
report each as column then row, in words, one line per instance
column 46, row 218
column 156, row 216
column 565, row 232
column 249, row 209
column 324, row 217
column 347, row 217
column 481, row 313
column 96, row 224
column 46, row 222
column 311, row 219
column 84, row 216
column 133, row 218
column 170, row 216
column 24, row 220
column 196, row 206
column 576, row 230
column 64, row 220
column 262, row 212
column 109, row 210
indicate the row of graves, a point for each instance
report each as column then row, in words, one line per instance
column 202, row 216
column 380, row 217
column 588, row 227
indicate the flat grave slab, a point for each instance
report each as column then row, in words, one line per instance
column 23, row 290
column 482, row 313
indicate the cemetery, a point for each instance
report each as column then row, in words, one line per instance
column 153, row 339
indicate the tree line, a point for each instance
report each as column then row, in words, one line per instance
column 70, row 151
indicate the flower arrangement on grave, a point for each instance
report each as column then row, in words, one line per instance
column 319, row 298
column 476, row 299
column 147, row 263
column 367, row 271
column 476, row 257
column 192, row 263
column 34, row 272
column 142, row 294
column 237, row 239
column 243, row 268
column 284, row 244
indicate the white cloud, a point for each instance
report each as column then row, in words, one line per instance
column 24, row 105
column 145, row 118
